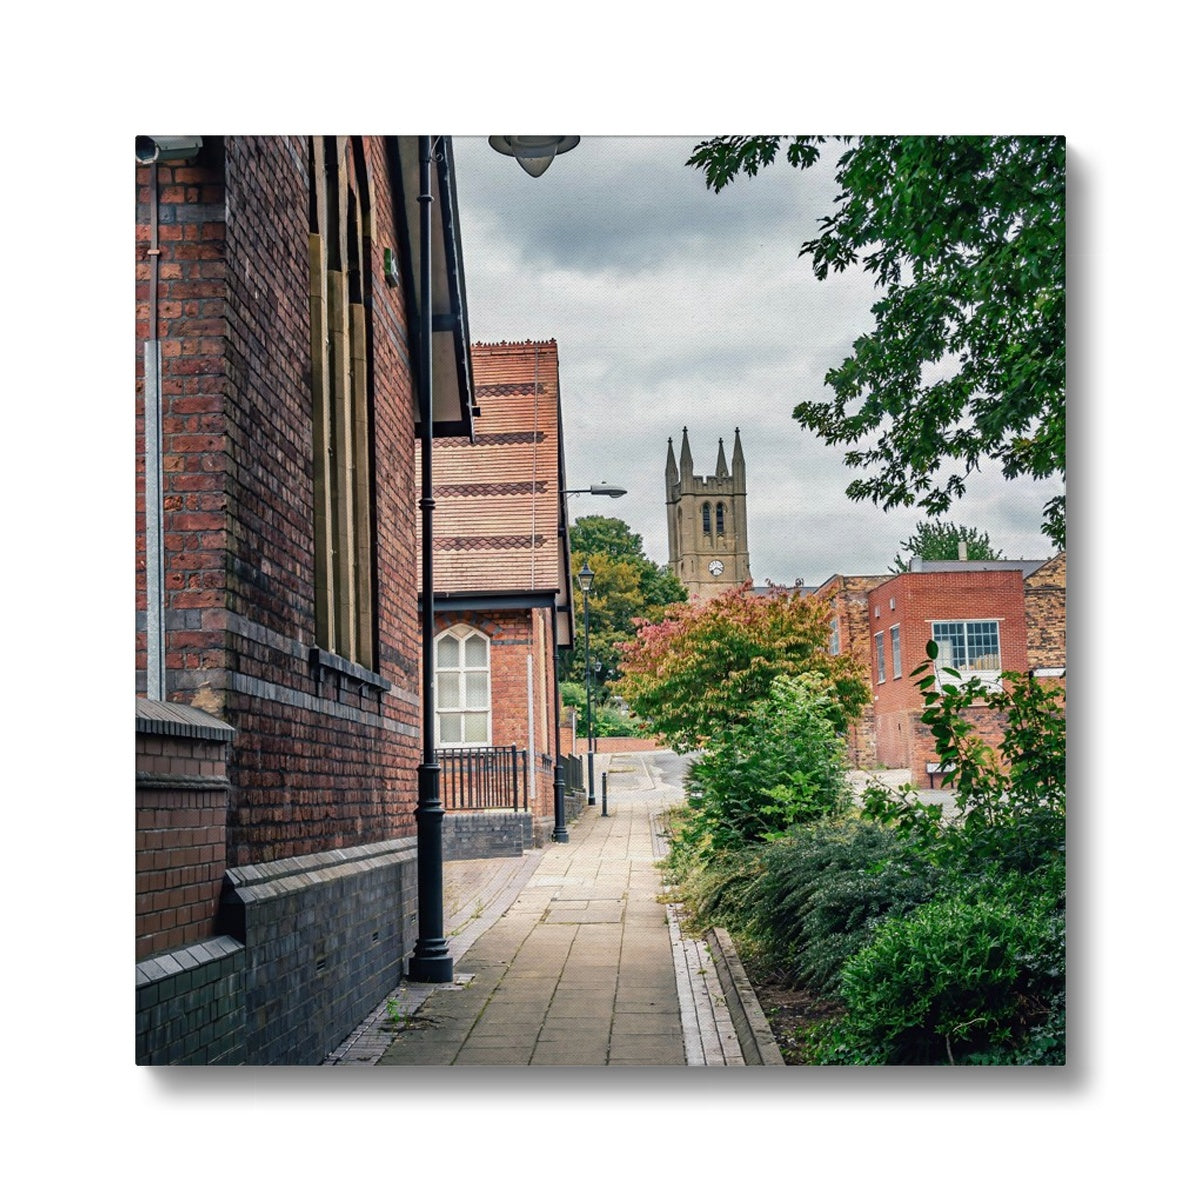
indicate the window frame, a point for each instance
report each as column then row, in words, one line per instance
column 895, row 651
column 880, row 661
column 461, row 633
column 963, row 642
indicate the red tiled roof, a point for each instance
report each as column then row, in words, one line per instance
column 496, row 515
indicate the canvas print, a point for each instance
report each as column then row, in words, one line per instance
column 601, row 601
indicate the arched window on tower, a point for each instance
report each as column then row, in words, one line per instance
column 706, row 519
column 720, row 520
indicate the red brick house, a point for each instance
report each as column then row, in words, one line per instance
column 502, row 583
column 277, row 641
column 986, row 617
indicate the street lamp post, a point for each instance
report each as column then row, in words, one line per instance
column 586, row 575
column 431, row 961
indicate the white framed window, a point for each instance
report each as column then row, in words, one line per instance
column 972, row 648
column 835, row 637
column 895, row 651
column 880, row 666
column 463, row 687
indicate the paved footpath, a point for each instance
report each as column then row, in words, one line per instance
column 573, row 958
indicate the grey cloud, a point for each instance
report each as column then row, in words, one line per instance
column 673, row 306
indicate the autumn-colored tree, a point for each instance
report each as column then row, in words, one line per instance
column 702, row 668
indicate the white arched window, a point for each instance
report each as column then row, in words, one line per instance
column 463, row 689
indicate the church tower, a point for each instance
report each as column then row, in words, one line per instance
column 706, row 521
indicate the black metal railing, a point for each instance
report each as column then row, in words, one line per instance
column 484, row 777
column 572, row 765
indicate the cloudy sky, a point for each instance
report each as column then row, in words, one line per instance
column 674, row 306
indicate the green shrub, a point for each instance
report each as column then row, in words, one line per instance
column 962, row 979
column 784, row 766
column 823, row 889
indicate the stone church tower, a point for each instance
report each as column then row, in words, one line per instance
column 706, row 521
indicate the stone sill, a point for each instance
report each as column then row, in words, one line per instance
column 345, row 672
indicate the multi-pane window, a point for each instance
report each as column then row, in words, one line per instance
column 720, row 520
column 880, row 667
column 835, row 637
column 968, row 646
column 463, row 690
column 706, row 518
column 895, row 651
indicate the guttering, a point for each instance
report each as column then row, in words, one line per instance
column 446, row 324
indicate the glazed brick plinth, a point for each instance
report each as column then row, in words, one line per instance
column 326, row 938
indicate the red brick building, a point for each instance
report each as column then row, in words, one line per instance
column 502, row 584
column 277, row 639
column 986, row 617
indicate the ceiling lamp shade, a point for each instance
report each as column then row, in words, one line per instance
column 534, row 154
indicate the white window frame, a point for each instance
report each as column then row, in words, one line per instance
column 461, row 634
column 880, row 663
column 947, row 651
column 895, row 651
column 835, row 637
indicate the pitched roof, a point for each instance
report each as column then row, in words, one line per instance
column 497, row 508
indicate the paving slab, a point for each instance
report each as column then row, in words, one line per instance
column 567, row 956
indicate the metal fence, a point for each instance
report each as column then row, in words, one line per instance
column 484, row 777
column 572, row 765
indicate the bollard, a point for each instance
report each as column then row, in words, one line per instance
column 604, row 794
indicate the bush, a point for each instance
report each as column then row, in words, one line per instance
column 961, row 979
column 783, row 766
column 821, row 892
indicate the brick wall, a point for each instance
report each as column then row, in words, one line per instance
column 912, row 601
column 325, row 756
column 847, row 599
column 1046, row 615
column 322, row 766
column 182, row 798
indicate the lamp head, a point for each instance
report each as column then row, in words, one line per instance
column 535, row 153
column 586, row 575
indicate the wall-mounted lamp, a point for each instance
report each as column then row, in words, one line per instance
column 534, row 154
column 166, row 149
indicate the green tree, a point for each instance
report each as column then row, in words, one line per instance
column 701, row 668
column 966, row 240
column 939, row 540
column 627, row 587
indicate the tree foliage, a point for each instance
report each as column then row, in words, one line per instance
column 938, row 541
column 627, row 587
column 966, row 240
column 703, row 666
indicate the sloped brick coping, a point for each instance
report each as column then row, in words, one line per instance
column 179, row 720
column 260, row 880
column 759, row 1047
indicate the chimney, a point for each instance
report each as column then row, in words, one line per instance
column 962, row 551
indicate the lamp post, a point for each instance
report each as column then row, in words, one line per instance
column 586, row 575
column 431, row 961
